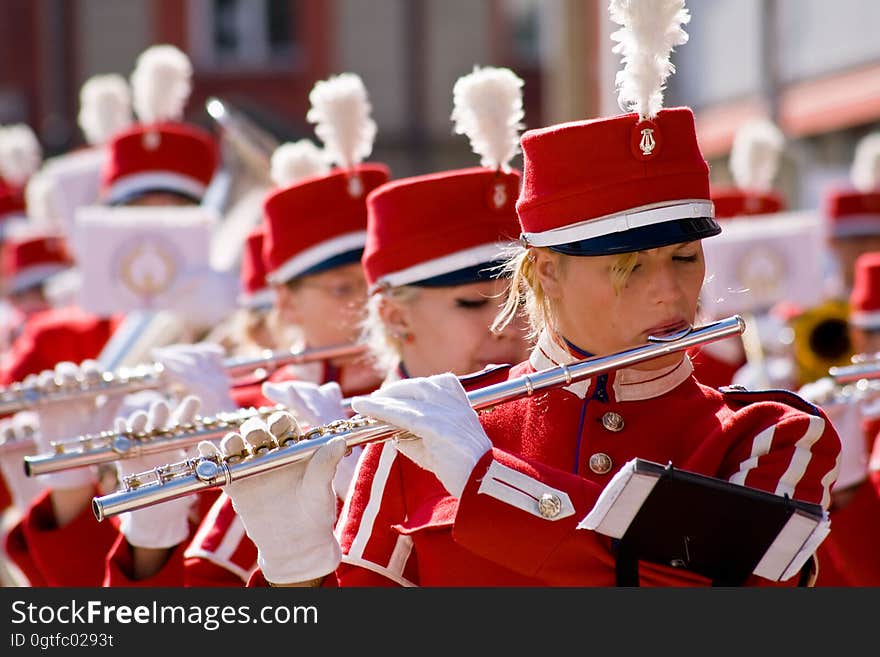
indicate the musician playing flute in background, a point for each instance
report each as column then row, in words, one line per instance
column 848, row 557
column 612, row 213
column 313, row 236
column 159, row 161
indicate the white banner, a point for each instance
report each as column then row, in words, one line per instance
column 150, row 258
column 758, row 261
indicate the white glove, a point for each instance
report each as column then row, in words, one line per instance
column 311, row 404
column 820, row 391
column 289, row 513
column 846, row 417
column 436, row 409
column 161, row 525
column 68, row 419
column 198, row 369
column 17, row 439
column 315, row 405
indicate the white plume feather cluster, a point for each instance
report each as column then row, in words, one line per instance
column 20, row 153
column 294, row 161
column 650, row 29
column 104, row 107
column 161, row 84
column 340, row 110
column 755, row 155
column 865, row 172
column 488, row 108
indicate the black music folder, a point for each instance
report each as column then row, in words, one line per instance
column 721, row 530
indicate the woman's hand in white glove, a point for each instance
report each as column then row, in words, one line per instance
column 167, row 524
column 200, row 371
column 450, row 439
column 67, row 419
column 289, row 512
column 312, row 404
column 17, row 437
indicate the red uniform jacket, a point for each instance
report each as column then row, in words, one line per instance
column 849, row 555
column 51, row 336
column 56, row 335
column 49, row 555
column 401, row 527
column 713, row 368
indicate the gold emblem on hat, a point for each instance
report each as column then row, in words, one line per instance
column 148, row 269
column 355, row 186
column 647, row 143
column 499, row 195
column 762, row 271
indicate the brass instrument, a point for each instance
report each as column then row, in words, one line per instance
column 20, row 396
column 253, row 144
column 193, row 475
column 821, row 340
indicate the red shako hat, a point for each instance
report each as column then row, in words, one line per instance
column 12, row 204
column 624, row 183
column 161, row 153
column 30, row 260
column 864, row 300
column 854, row 210
column 255, row 292
column 452, row 227
column 317, row 219
column 319, row 223
column 754, row 162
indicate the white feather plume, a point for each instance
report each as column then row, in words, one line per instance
column 294, row 161
column 865, row 172
column 104, row 107
column 755, row 154
column 488, row 108
column 20, row 153
column 650, row 29
column 161, row 84
column 340, row 110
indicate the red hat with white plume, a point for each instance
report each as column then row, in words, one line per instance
column 105, row 107
column 754, row 163
column 625, row 183
column 20, row 158
column 73, row 179
column 30, row 259
column 854, row 211
column 454, row 227
column 317, row 219
column 255, row 291
column 161, row 153
column 20, row 154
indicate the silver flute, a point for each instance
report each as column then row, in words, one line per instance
column 109, row 446
column 21, row 396
column 190, row 476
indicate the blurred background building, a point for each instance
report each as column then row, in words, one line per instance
column 813, row 66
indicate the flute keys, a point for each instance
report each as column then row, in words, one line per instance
column 233, row 447
column 284, row 427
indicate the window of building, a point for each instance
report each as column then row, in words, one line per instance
column 244, row 34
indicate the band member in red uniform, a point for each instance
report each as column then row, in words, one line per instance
column 314, row 234
column 612, row 213
column 754, row 162
column 159, row 161
column 848, row 556
column 435, row 246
